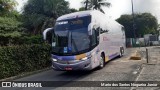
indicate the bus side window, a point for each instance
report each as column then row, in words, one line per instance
column 97, row 32
column 95, row 36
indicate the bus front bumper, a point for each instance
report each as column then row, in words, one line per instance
column 72, row 65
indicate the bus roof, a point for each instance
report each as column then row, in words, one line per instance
column 76, row 14
column 87, row 13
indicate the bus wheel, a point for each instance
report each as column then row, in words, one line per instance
column 102, row 62
column 121, row 52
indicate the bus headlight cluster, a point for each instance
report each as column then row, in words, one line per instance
column 84, row 58
column 55, row 60
column 88, row 57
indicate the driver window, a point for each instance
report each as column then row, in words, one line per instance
column 95, row 36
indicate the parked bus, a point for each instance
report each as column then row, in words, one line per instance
column 86, row 40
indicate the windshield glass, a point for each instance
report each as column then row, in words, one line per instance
column 71, row 36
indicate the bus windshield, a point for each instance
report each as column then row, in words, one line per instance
column 71, row 36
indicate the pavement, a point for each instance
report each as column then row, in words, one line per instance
column 119, row 69
column 151, row 70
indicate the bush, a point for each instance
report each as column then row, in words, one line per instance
column 33, row 39
column 10, row 26
column 21, row 40
column 18, row 59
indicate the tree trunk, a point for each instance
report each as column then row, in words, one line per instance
column 86, row 7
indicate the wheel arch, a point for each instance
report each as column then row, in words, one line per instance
column 103, row 54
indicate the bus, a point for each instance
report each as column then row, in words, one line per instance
column 85, row 40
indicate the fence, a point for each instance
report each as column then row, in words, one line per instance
column 142, row 42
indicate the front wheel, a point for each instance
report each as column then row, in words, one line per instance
column 102, row 62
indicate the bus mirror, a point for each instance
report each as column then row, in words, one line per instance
column 45, row 33
column 90, row 32
column 98, row 38
column 90, row 29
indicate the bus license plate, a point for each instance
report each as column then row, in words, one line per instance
column 68, row 68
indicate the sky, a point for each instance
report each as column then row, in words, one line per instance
column 119, row 7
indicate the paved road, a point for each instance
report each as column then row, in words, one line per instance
column 120, row 69
column 150, row 71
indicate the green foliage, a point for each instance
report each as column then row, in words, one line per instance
column 82, row 9
column 97, row 4
column 7, row 6
column 73, row 10
column 15, row 60
column 14, row 14
column 9, row 26
column 41, row 14
column 145, row 23
column 29, row 40
column 38, row 39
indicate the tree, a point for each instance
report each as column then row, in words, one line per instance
column 86, row 6
column 7, row 6
column 96, row 4
column 145, row 23
column 73, row 10
column 10, row 26
column 82, row 9
column 41, row 14
column 158, row 29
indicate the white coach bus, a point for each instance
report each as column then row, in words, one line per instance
column 86, row 40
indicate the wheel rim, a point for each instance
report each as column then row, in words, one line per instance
column 120, row 53
column 101, row 62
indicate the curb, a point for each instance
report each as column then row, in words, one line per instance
column 25, row 74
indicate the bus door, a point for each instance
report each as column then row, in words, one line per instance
column 94, row 44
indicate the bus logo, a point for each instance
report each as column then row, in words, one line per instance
column 6, row 84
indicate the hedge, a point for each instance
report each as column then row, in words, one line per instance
column 20, row 40
column 15, row 60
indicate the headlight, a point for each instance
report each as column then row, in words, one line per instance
column 88, row 57
column 84, row 58
column 55, row 60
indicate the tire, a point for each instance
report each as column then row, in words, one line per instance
column 102, row 62
column 121, row 52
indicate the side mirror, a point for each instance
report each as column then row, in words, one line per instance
column 45, row 33
column 98, row 38
column 90, row 29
